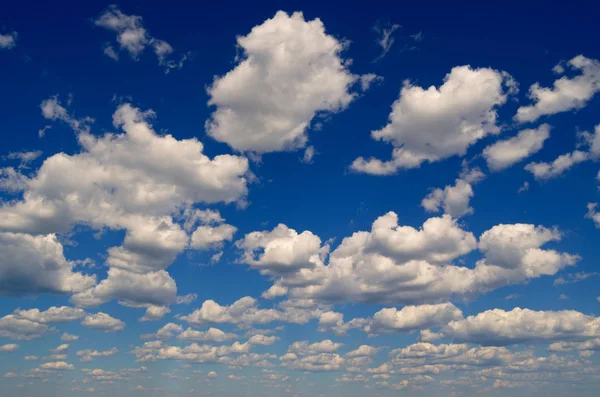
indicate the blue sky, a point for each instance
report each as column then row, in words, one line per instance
column 300, row 199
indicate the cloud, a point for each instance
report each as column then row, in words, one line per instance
column 499, row 328
column 363, row 350
column 9, row 348
column 403, row 265
column 557, row 167
column 89, row 355
column 424, row 353
column 245, row 312
column 211, row 335
column 280, row 83
column 263, row 340
column 437, row 123
column 412, row 318
column 169, row 330
column 54, row 314
column 208, row 237
column 566, row 93
column 69, row 337
column 503, row 154
column 334, row 322
column 157, row 350
column 36, row 264
column 186, row 299
column 454, row 200
column 593, row 214
column 57, row 366
column 133, row 38
column 8, row 41
column 103, row 322
column 136, row 181
column 60, row 349
column 16, row 328
column 304, row 348
column 155, row 313
column 385, row 38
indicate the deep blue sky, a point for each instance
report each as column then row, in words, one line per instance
column 59, row 51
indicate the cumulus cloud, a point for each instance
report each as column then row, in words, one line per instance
column 290, row 70
column 334, row 322
column 103, row 322
column 412, row 318
column 566, row 93
column 263, row 340
column 133, row 38
column 52, row 315
column 136, row 181
column 157, row 350
column 403, row 265
column 454, row 200
column 505, row 153
column 245, row 312
column 210, row 335
column 155, row 313
column 9, row 348
column 498, row 327
column 57, row 366
column 436, row 123
column 560, row 165
column 363, row 350
column 8, row 41
column 593, row 213
column 36, row 264
column 66, row 337
column 89, row 355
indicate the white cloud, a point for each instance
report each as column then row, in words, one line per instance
column 505, row 153
column 281, row 250
column 11, row 347
column 103, row 322
column 403, row 265
column 593, row 214
column 16, row 328
column 557, row 167
column 454, row 200
column 36, row 264
column 155, row 313
column 133, row 37
column 169, row 330
column 57, row 366
column 211, row 335
column 245, row 312
column 52, row 315
column 334, row 322
column 499, row 327
column 156, row 350
column 60, row 349
column 208, row 237
column 66, row 337
column 304, row 348
column 363, row 350
column 135, row 181
column 290, row 71
column 433, row 124
column 385, row 39
column 566, row 94
column 412, row 318
column 89, row 355
column 424, row 353
column 8, row 41
column 186, row 299
column 263, row 340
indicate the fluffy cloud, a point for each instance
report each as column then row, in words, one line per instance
column 505, row 153
column 566, row 94
column 155, row 313
column 36, row 264
column 334, row 322
column 412, row 318
column 304, row 348
column 263, row 340
column 499, row 327
column 436, row 123
column 88, row 355
column 363, row 350
column 211, row 335
column 154, row 351
column 245, row 312
column 560, row 165
column 57, row 366
column 60, row 349
column 424, row 353
column 8, row 41
column 207, row 237
column 290, row 71
column 66, row 337
column 11, row 347
column 282, row 250
column 593, row 214
column 454, row 200
column 54, row 314
column 16, row 328
column 403, row 265
column 133, row 37
column 103, row 322
column 136, row 181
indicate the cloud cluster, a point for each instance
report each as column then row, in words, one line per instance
column 436, row 123
column 403, row 265
column 290, row 70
